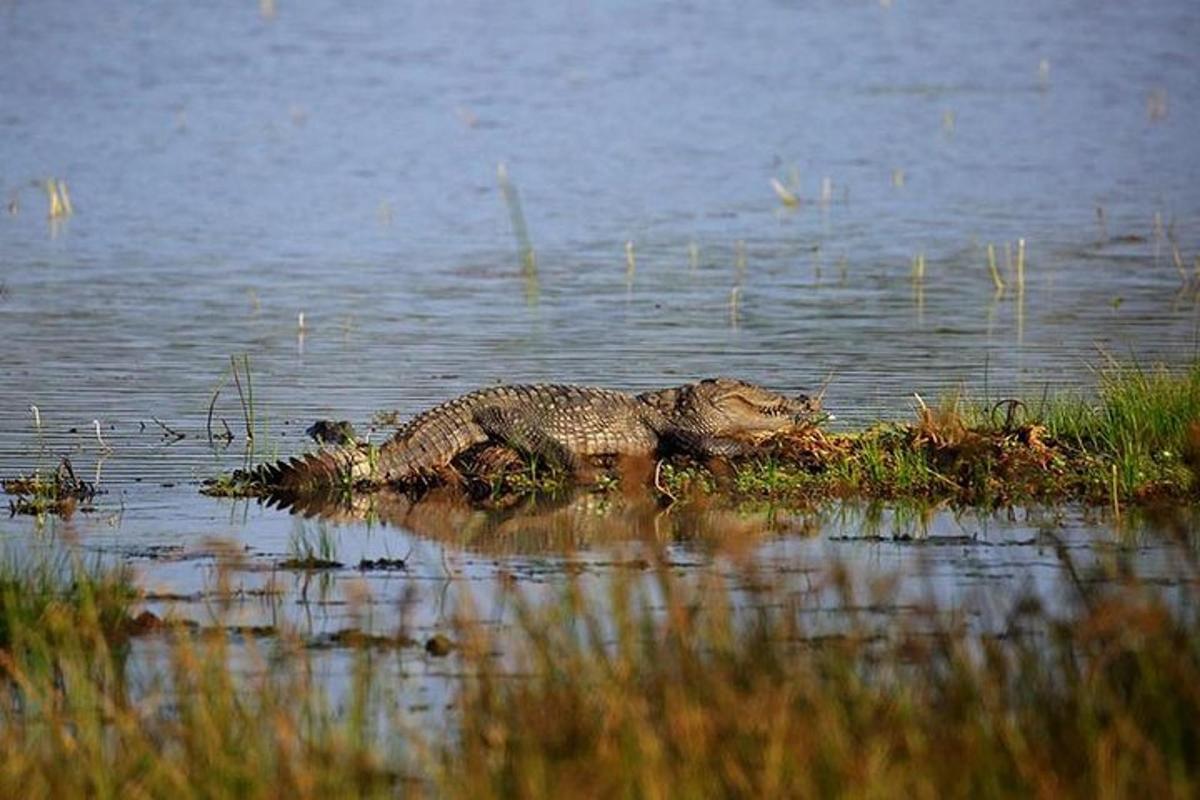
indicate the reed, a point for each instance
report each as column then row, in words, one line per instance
column 695, row 699
column 785, row 195
column 75, row 723
column 45, row 600
column 525, row 252
column 312, row 548
column 1020, row 266
column 653, row 685
column 240, row 370
column 918, row 267
column 996, row 280
column 59, row 198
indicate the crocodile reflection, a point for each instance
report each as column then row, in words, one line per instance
column 561, row 523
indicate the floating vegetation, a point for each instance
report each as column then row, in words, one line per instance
column 382, row 565
column 360, row 640
column 59, row 492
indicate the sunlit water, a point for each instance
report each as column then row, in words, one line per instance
column 232, row 170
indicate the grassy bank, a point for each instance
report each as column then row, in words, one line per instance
column 1135, row 439
column 659, row 689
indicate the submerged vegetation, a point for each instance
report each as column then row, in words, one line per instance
column 661, row 687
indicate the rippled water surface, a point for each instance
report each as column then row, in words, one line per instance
column 233, row 169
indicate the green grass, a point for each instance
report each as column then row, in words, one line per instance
column 1140, row 423
column 73, row 723
column 311, row 547
column 41, row 598
column 1136, row 440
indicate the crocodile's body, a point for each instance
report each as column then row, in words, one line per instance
column 563, row 425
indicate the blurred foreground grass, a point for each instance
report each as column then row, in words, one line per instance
column 661, row 686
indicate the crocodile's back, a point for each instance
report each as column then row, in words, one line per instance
column 574, row 421
column 560, row 423
column 591, row 422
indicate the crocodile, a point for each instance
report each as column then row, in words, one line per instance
column 566, row 426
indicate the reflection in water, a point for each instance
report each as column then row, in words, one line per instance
column 574, row 521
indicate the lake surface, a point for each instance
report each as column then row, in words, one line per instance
column 232, row 167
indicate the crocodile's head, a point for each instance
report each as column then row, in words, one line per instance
column 733, row 408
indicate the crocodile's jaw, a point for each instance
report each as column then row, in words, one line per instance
column 732, row 408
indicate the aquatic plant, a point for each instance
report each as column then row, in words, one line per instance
column 42, row 596
column 75, row 723
column 44, row 492
column 311, row 547
column 59, row 198
column 1141, row 422
column 526, row 254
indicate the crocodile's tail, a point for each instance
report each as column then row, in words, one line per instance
column 324, row 471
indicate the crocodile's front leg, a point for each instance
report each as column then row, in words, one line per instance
column 703, row 445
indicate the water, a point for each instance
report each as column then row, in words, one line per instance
column 232, row 170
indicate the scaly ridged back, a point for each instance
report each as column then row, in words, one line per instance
column 587, row 420
column 433, row 438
